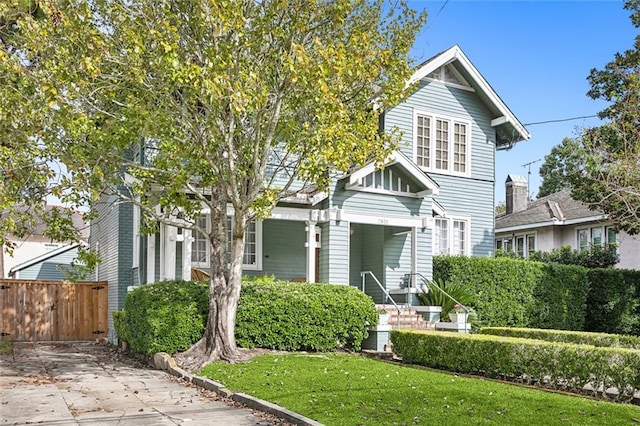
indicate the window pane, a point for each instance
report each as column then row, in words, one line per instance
column 612, row 236
column 596, row 236
column 583, row 239
column 442, row 236
column 508, row 244
column 531, row 245
column 460, row 148
column 200, row 244
column 520, row 246
column 498, row 244
column 442, row 145
column 423, row 143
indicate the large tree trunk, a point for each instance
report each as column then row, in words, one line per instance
column 218, row 342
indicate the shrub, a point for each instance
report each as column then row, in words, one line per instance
column 433, row 295
column 556, row 365
column 170, row 316
column 565, row 336
column 596, row 257
column 302, row 316
column 613, row 304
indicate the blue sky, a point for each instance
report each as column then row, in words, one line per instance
column 536, row 55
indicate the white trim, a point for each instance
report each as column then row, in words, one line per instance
column 452, row 120
column 554, row 222
column 311, row 251
column 455, row 54
column 450, row 219
column 379, row 219
column 44, row 256
column 356, row 187
column 258, row 264
column 186, row 254
column 135, row 261
column 399, row 158
column 170, row 237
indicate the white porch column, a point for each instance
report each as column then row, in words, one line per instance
column 151, row 259
column 414, row 256
column 186, row 254
column 311, row 250
column 169, row 243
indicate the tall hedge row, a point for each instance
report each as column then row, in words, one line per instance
column 516, row 292
column 170, row 316
column 521, row 293
column 613, row 301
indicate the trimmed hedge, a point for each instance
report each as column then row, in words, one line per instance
column 167, row 316
column 564, row 336
column 303, row 316
column 170, row 316
column 517, row 292
column 614, row 301
column 557, row 365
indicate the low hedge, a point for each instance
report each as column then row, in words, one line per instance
column 565, row 336
column 170, row 316
column 557, row 365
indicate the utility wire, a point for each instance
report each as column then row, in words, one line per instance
column 561, row 120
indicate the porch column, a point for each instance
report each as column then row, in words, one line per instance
column 414, row 256
column 311, row 250
column 186, row 254
column 151, row 258
column 169, row 243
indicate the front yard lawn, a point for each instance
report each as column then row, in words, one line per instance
column 341, row 389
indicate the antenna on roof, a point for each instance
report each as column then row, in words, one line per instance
column 528, row 166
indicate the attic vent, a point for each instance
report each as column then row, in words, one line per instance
column 448, row 74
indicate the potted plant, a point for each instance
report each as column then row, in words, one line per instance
column 434, row 293
column 458, row 314
column 384, row 316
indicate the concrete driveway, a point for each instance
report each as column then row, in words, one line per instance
column 85, row 383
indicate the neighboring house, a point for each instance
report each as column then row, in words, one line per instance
column 37, row 246
column 557, row 220
column 50, row 266
column 435, row 195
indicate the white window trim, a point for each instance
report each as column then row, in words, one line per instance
column 194, row 236
column 432, row 149
column 258, row 265
column 604, row 237
column 513, row 238
column 450, row 220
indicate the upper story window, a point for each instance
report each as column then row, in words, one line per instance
column 442, row 144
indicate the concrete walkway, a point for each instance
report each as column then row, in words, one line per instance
column 85, row 383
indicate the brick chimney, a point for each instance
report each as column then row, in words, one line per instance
column 517, row 193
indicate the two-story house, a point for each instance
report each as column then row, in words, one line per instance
column 435, row 195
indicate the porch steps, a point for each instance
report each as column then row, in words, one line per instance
column 408, row 319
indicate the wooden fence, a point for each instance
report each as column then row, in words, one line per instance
column 53, row 310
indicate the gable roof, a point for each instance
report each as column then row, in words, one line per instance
column 554, row 209
column 45, row 256
column 509, row 130
column 428, row 185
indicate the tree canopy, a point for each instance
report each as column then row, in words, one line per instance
column 602, row 166
column 184, row 107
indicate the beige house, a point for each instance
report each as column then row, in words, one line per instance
column 554, row 221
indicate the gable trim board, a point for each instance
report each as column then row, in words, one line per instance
column 430, row 187
column 556, row 222
column 504, row 116
column 15, row 271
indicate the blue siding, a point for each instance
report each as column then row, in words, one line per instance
column 397, row 256
column 51, row 269
column 283, row 250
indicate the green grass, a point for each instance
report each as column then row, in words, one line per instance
column 339, row 389
column 6, row 347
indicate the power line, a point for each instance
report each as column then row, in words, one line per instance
column 561, row 120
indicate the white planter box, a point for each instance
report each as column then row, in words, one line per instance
column 430, row 313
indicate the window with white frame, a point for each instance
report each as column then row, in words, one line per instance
column 200, row 244
column 523, row 245
column 596, row 236
column 442, row 144
column 252, row 239
column 451, row 236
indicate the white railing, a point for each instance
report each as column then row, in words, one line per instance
column 387, row 296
